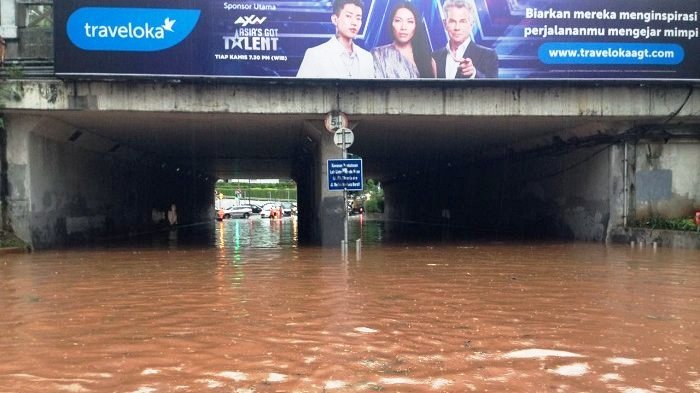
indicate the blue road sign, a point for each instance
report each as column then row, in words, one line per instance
column 345, row 175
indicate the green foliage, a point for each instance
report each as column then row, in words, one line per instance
column 268, row 193
column 8, row 239
column 39, row 15
column 275, row 191
column 674, row 224
column 9, row 91
column 375, row 203
column 13, row 72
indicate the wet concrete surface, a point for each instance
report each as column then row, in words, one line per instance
column 237, row 306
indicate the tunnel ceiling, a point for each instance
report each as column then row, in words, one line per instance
column 261, row 146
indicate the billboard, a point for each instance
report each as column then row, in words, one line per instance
column 383, row 39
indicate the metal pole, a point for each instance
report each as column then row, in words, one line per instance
column 345, row 200
column 345, row 219
column 625, row 208
column 345, row 197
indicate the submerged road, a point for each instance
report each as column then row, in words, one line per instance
column 236, row 306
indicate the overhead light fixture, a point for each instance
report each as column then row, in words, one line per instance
column 75, row 135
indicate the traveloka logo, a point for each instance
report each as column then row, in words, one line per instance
column 130, row 29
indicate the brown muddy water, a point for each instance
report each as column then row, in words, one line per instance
column 242, row 309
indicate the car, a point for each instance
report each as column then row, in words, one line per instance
column 272, row 209
column 356, row 206
column 286, row 209
column 267, row 210
column 237, row 212
column 255, row 208
column 357, row 210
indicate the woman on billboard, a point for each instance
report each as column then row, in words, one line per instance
column 409, row 55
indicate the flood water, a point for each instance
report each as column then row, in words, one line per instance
column 238, row 307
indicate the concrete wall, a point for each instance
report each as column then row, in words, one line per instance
column 645, row 237
column 566, row 196
column 667, row 180
column 61, row 193
column 578, row 195
column 8, row 24
column 305, row 174
column 594, row 102
column 3, row 179
column 563, row 196
column 35, row 42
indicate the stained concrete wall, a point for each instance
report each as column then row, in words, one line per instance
column 61, row 193
column 304, row 176
column 563, row 196
column 331, row 210
column 567, row 196
column 594, row 102
column 577, row 195
column 321, row 210
column 667, row 180
column 3, row 179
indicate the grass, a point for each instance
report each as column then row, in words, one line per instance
column 674, row 224
column 8, row 239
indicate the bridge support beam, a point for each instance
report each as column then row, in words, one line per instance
column 322, row 211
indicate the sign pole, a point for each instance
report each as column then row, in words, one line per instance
column 345, row 204
column 343, row 174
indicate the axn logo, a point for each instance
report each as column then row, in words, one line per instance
column 250, row 20
column 130, row 29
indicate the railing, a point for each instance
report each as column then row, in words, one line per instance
column 27, row 68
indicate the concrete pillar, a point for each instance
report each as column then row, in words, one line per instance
column 330, row 208
column 321, row 211
column 618, row 194
column 17, row 195
column 304, row 174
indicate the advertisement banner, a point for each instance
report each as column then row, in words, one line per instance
column 380, row 39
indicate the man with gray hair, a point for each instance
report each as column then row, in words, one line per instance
column 462, row 58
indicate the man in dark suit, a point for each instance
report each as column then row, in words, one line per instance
column 462, row 58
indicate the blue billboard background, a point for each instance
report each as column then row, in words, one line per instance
column 534, row 39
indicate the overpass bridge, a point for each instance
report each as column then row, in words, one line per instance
column 572, row 158
column 85, row 158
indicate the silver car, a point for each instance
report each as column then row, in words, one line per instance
column 238, row 212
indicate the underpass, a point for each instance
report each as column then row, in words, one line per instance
column 85, row 158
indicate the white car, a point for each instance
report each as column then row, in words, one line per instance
column 238, row 212
column 267, row 208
